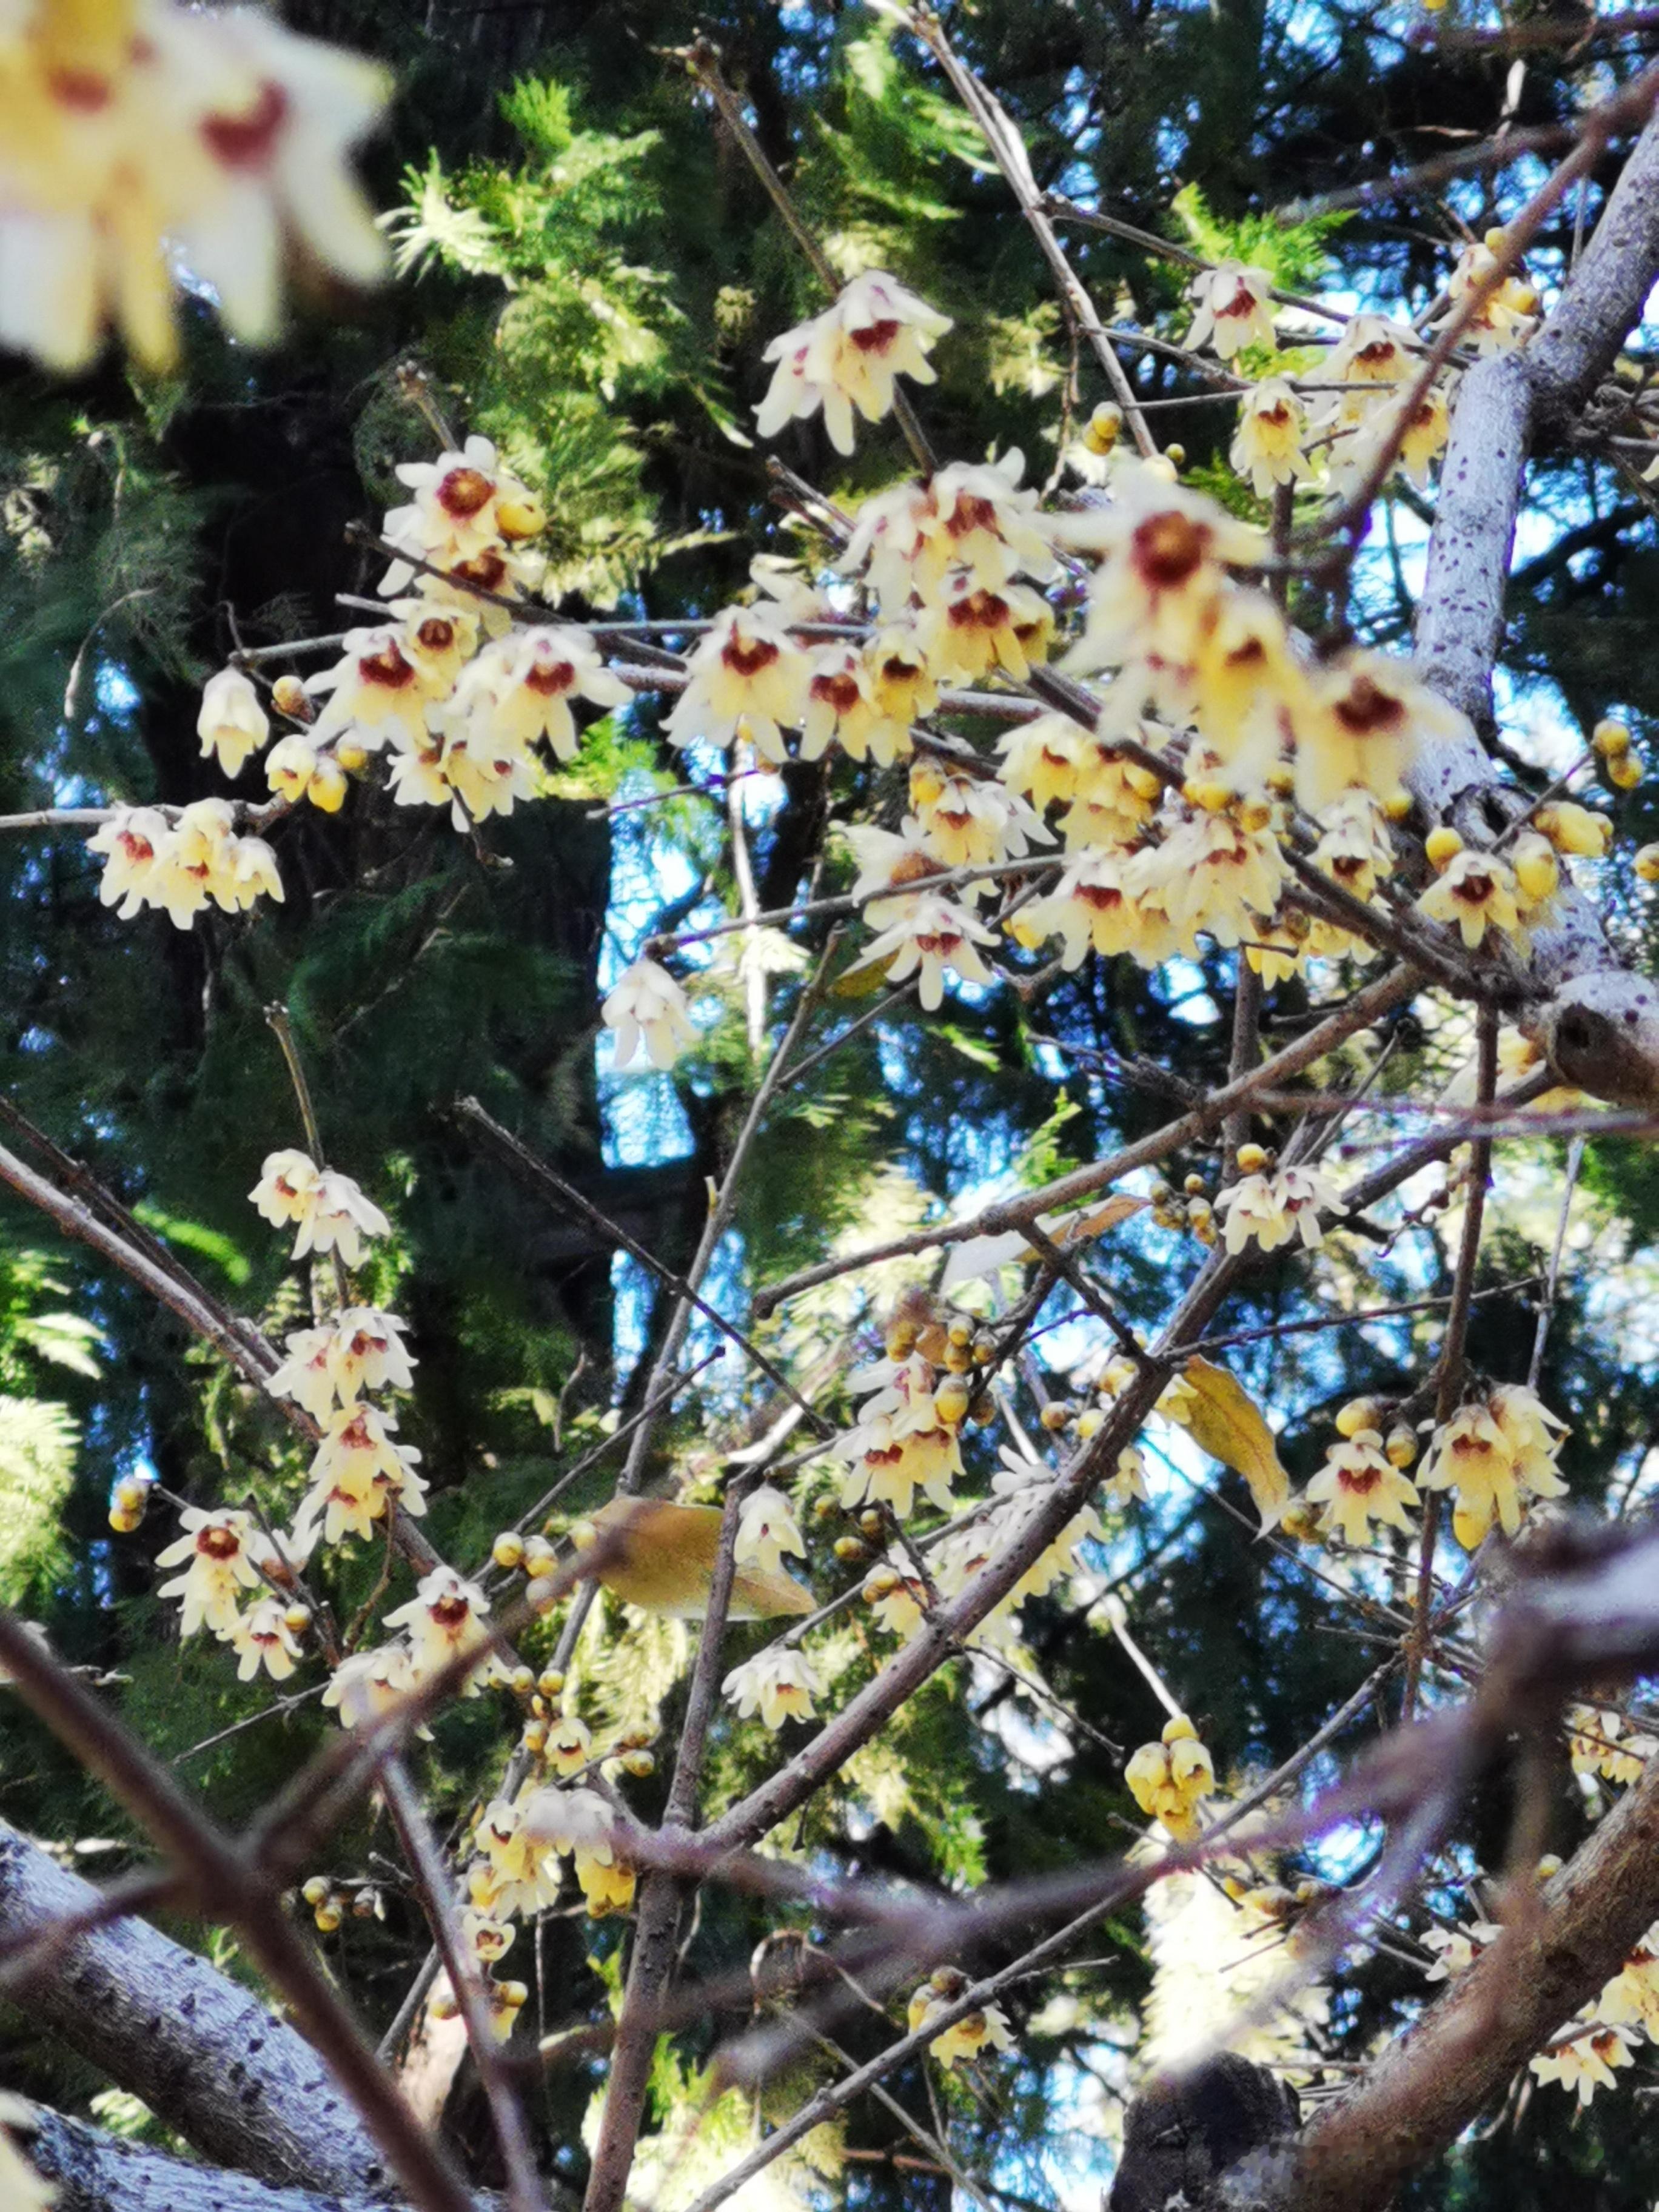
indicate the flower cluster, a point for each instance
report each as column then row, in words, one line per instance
column 1171, row 1778
column 180, row 859
column 1496, row 1454
column 129, row 128
column 226, row 1558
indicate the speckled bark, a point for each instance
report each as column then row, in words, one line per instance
column 1599, row 1023
column 240, row 2085
column 96, row 2172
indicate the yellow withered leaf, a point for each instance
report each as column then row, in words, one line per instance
column 1217, row 1412
column 661, row 1557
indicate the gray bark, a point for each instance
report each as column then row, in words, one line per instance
column 238, row 2084
column 1599, row 1023
column 97, row 2173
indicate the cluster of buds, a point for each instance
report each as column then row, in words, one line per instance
column 333, row 1903
column 1170, row 1780
column 1188, row 1211
column 129, row 1500
column 1621, row 764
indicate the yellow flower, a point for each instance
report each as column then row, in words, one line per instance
column 1455, row 1948
column 748, row 677
column 444, row 1620
column 1477, row 891
column 900, row 682
column 220, row 1548
column 767, row 1530
column 1163, row 553
column 128, row 130
column 1508, row 315
column 648, row 1007
column 842, row 708
column 1603, row 1743
column 463, row 501
column 369, row 1684
column 521, row 686
column 1040, row 759
column 1235, row 308
column 1493, row 1453
column 1360, row 724
column 261, row 1638
column 971, row 630
column 849, row 356
column 518, row 1871
column 974, row 2033
column 1090, row 908
column 779, row 1685
column 894, row 1595
column 1357, row 1485
column 356, row 1468
column 1272, row 427
column 1585, row 2062
column 1275, row 1208
column 932, row 935
column 136, row 844
column 232, row 724
column 569, row 1747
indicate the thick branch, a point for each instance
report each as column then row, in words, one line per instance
column 203, row 2054
column 95, row 2172
column 1427, row 2088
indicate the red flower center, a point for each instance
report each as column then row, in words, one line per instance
column 245, row 141
column 463, row 492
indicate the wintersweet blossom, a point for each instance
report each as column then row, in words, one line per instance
column 1163, row 553
column 1584, row 2062
column 128, row 129
column 1169, row 1779
column 933, row 935
column 1495, row 1453
column 747, row 679
column 369, row 1684
column 357, row 1467
column 1358, row 1484
column 1212, row 874
column 779, row 1684
column 1275, row 1208
column 1633, row 1996
column 232, row 724
column 895, row 1595
column 1365, row 717
column 579, row 1824
column 1605, row 1743
column 767, row 1528
column 1090, row 908
column 483, row 774
column 1475, row 892
column 218, row 1551
column 971, row 520
column 849, row 356
column 444, row 1620
column 518, row 1869
column 1508, row 314
column 1234, row 306
column 842, row 708
column 1455, row 1948
column 569, row 1747
column 648, row 1007
column 377, row 689
column 134, row 843
column 971, row 630
column 521, row 686
column 975, row 2031
column 900, row 682
column 967, row 821
column 261, row 1638
column 891, row 1457
column 463, row 501
column 1041, row 758
column 1268, row 445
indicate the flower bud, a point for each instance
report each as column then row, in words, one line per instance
column 1253, row 1159
column 1610, row 739
column 521, row 1681
column 1056, row 1415
column 1359, row 1413
column 639, row 1764
column 328, row 1916
column 508, row 1550
column 316, row 1889
column 1647, row 864
column 1573, row 829
column 540, row 1560
column 850, row 1552
column 1103, row 427
column 550, row 1682
column 951, row 1401
column 297, row 1619
column 518, row 516
column 1626, row 773
column 1536, row 869
column 289, row 696
column 1442, row 844
column 1401, row 1446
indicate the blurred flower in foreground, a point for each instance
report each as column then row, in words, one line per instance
column 132, row 128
